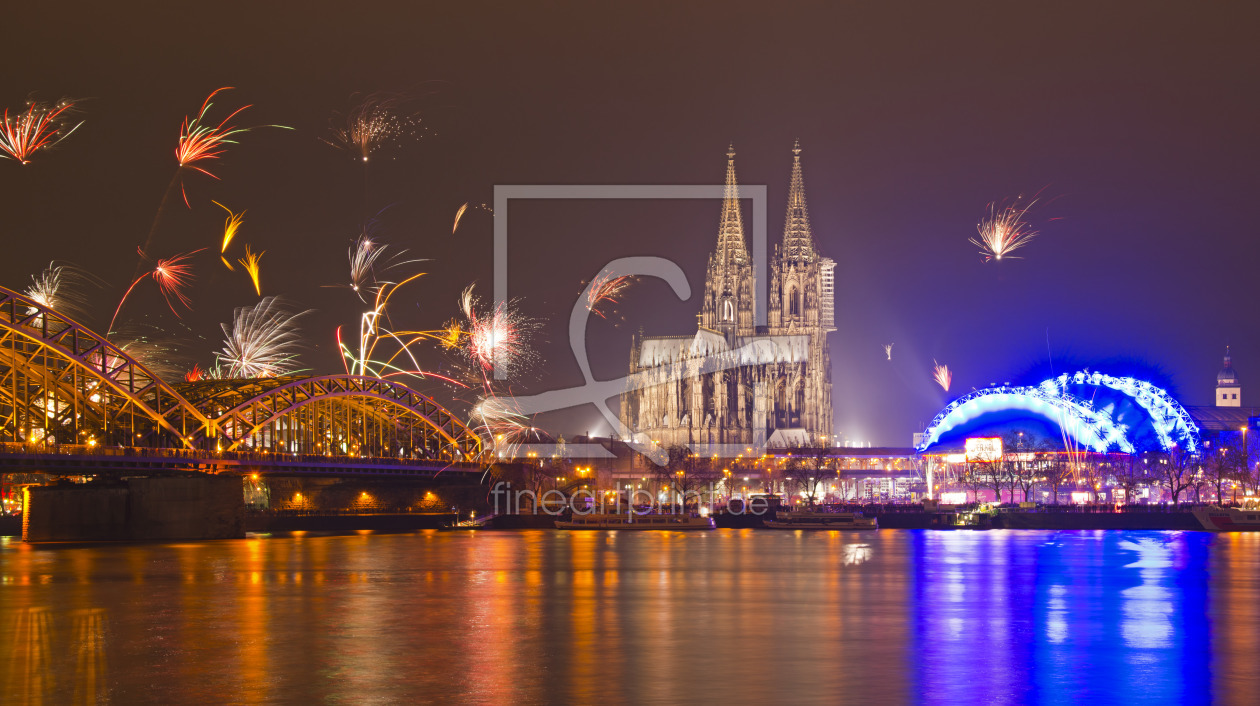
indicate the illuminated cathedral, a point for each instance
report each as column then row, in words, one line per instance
column 733, row 383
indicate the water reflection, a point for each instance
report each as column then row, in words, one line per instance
column 526, row 617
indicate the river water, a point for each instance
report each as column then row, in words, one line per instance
column 637, row 617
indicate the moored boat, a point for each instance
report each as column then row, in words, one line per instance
column 808, row 519
column 1228, row 519
column 635, row 521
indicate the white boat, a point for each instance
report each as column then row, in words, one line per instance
column 1228, row 519
column 634, row 521
column 809, row 519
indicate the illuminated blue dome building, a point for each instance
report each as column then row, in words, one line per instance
column 1093, row 410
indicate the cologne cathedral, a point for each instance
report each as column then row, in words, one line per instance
column 734, row 383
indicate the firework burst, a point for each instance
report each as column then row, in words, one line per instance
column 942, row 375
column 1004, row 230
column 262, row 340
column 60, row 287
column 251, row 263
column 172, row 274
column 368, row 258
column 497, row 339
column 888, row 350
column 40, row 127
column 375, row 123
column 606, row 290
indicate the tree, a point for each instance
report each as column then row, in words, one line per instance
column 1131, row 471
column 686, row 475
column 1056, row 469
column 806, row 474
column 1176, row 470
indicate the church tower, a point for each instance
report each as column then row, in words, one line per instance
column 728, row 291
column 1228, row 389
column 801, row 305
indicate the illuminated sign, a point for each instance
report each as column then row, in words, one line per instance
column 984, row 450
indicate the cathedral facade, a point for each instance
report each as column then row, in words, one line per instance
column 733, row 383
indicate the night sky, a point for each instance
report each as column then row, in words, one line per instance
column 1137, row 122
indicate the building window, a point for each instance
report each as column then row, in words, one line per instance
column 728, row 310
column 1234, row 396
column 794, row 302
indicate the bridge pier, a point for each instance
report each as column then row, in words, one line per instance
column 186, row 507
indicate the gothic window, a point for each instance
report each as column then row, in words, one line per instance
column 794, row 302
column 728, row 310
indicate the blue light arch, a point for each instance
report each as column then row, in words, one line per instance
column 1099, row 412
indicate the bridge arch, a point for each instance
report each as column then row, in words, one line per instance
column 335, row 414
column 61, row 383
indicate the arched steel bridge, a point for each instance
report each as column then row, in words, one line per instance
column 62, row 386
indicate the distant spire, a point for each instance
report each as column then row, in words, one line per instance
column 798, row 238
column 730, row 245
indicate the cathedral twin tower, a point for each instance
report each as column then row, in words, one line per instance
column 735, row 383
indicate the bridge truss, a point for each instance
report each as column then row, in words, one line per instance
column 63, row 385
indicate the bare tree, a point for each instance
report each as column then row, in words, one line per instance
column 1057, row 470
column 1176, row 470
column 1131, row 471
column 686, row 475
column 806, row 474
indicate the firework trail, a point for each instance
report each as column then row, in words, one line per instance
column 262, row 340
column 230, row 227
column 173, row 275
column 372, row 331
column 251, row 264
column 375, row 123
column 41, row 127
column 942, row 375
column 606, row 290
column 888, row 350
column 458, row 215
column 1004, row 230
column 60, row 287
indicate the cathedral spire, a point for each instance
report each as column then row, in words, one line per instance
column 730, row 245
column 798, row 239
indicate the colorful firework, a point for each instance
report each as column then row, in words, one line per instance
column 888, row 350
column 1004, row 230
column 251, row 264
column 942, row 375
column 230, row 227
column 606, row 290
column 40, row 127
column 195, row 374
column 200, row 142
column 262, row 340
column 172, row 274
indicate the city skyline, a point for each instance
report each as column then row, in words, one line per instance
column 1141, row 223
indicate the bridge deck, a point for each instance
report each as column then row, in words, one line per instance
column 85, row 460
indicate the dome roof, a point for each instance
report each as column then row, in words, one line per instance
column 1227, row 376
